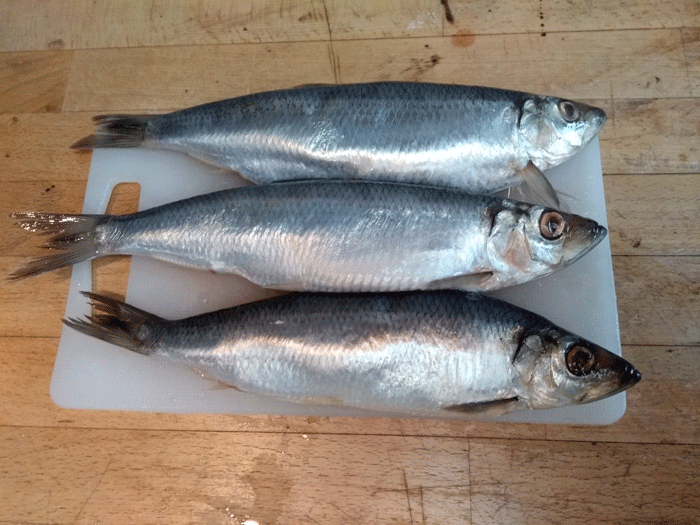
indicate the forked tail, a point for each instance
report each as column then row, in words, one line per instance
column 120, row 324
column 116, row 131
column 73, row 234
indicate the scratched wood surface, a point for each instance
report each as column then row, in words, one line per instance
column 61, row 62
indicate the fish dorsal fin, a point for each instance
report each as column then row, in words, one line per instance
column 494, row 407
column 540, row 186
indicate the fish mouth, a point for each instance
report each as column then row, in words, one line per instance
column 595, row 117
column 598, row 234
column 629, row 377
column 586, row 235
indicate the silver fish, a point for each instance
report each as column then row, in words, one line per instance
column 478, row 139
column 333, row 236
column 443, row 353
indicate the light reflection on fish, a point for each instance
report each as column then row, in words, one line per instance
column 333, row 236
column 444, row 353
column 478, row 139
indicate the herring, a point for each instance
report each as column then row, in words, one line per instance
column 440, row 353
column 474, row 138
column 332, row 236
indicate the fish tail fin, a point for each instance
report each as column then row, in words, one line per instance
column 116, row 131
column 120, row 324
column 73, row 234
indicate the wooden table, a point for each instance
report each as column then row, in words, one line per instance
column 65, row 61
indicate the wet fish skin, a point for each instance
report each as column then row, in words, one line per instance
column 444, row 353
column 334, row 236
column 475, row 138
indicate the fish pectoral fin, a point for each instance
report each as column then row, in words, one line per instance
column 322, row 400
column 284, row 287
column 220, row 385
column 216, row 383
column 472, row 282
column 496, row 407
column 540, row 186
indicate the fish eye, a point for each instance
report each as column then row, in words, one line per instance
column 552, row 225
column 568, row 110
column 580, row 360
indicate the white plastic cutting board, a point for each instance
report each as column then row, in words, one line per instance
column 92, row 374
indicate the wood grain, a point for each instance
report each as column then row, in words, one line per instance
column 82, row 24
column 30, row 306
column 568, row 15
column 185, row 477
column 653, row 214
column 557, row 483
column 374, row 479
column 354, row 19
column 97, row 24
column 144, row 80
column 658, row 299
column 644, row 64
column 593, row 65
column 63, row 62
column 35, row 147
column 691, row 48
column 33, row 82
column 652, row 136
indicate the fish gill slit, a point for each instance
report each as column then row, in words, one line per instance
column 521, row 336
column 520, row 104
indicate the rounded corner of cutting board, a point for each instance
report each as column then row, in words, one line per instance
column 613, row 416
column 59, row 395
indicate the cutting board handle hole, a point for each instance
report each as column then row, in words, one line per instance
column 110, row 275
column 124, row 198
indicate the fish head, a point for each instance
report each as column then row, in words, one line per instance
column 528, row 241
column 555, row 129
column 558, row 368
column 557, row 239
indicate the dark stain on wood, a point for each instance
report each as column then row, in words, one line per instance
column 51, row 107
column 463, row 38
column 420, row 65
column 448, row 12
column 308, row 16
column 56, row 45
